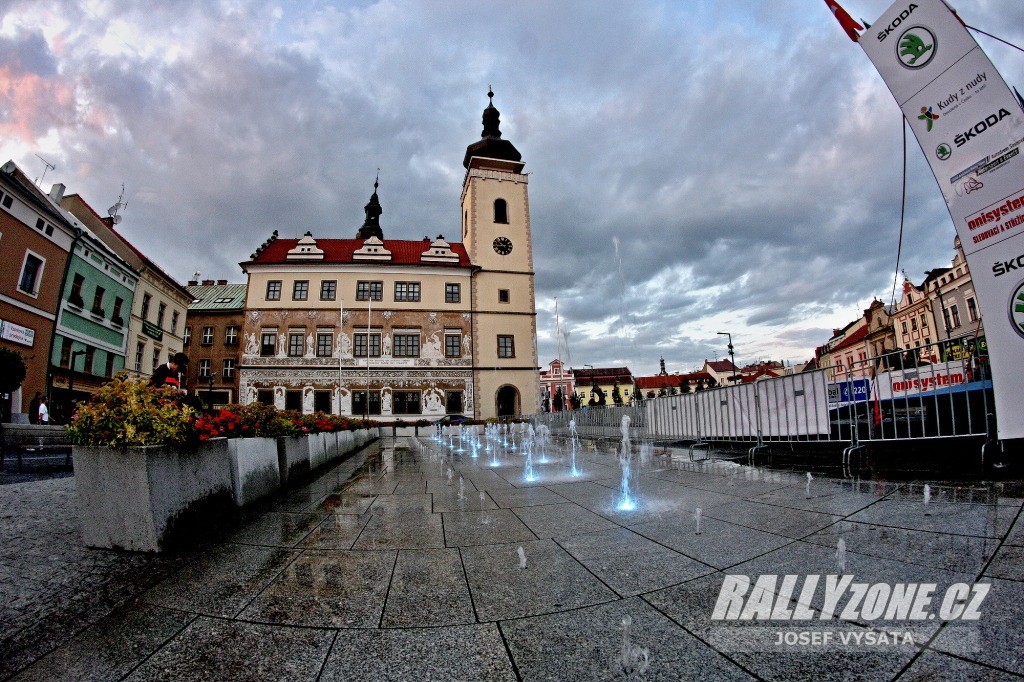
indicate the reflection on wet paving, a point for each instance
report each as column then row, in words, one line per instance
column 410, row 559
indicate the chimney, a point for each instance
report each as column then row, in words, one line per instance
column 222, row 281
column 207, row 282
column 57, row 192
column 193, row 282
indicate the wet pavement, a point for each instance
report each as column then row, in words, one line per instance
column 405, row 564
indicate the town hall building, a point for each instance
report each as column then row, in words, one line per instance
column 402, row 329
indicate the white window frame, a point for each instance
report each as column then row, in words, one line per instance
column 39, row 274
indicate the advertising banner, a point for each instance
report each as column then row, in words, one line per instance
column 845, row 392
column 942, row 377
column 970, row 127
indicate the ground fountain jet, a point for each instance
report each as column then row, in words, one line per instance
column 633, row 660
column 527, row 446
column 841, row 556
column 626, row 501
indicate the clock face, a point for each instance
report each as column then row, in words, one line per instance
column 503, row 245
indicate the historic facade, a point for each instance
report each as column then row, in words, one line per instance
column 409, row 329
column 213, row 339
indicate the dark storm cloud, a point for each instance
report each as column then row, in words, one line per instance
column 746, row 160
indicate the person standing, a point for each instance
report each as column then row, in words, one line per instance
column 44, row 413
column 170, row 373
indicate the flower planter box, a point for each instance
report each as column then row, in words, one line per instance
column 333, row 452
column 317, row 451
column 293, row 458
column 346, row 442
column 255, row 472
column 152, row 498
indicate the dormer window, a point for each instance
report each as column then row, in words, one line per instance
column 500, row 211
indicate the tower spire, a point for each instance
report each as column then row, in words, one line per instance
column 371, row 226
column 491, row 146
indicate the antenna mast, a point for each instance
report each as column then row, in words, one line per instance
column 47, row 166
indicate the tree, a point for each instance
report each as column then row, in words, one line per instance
column 12, row 371
column 650, row 394
column 672, row 390
column 616, row 394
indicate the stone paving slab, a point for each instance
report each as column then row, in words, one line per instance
column 378, row 569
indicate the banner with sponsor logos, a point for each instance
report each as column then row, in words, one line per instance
column 970, row 127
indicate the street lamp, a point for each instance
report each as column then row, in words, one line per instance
column 209, row 392
column 732, row 355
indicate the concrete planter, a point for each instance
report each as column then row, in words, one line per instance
column 255, row 472
column 148, row 499
column 317, row 451
column 293, row 458
column 346, row 441
column 333, row 452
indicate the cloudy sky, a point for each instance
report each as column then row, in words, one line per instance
column 697, row 166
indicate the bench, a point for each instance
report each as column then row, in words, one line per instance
column 43, row 444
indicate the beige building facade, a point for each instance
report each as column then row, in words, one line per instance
column 402, row 329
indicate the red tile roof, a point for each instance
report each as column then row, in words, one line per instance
column 403, row 252
column 722, row 366
column 669, row 380
column 852, row 339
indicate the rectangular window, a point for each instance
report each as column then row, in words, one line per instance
column 207, row 336
column 231, row 336
column 109, row 371
column 65, row 352
column 407, row 291
column 97, row 301
column 506, row 346
column 116, row 316
column 924, row 322
column 140, row 352
column 913, row 324
column 268, row 343
column 324, row 344
column 161, row 310
column 322, row 401
column 293, row 400
column 452, row 345
column 204, row 368
column 274, row 290
column 955, row 312
column 406, row 402
column 972, row 310
column 174, row 322
column 328, row 290
column 295, row 344
column 8, row 201
column 228, row 368
column 407, row 345
column 503, row 296
column 360, row 406
column 300, row 290
column 187, row 338
column 369, row 291
column 90, row 357
column 75, row 298
column 904, row 326
column 452, row 292
column 453, row 402
column 360, row 345
column 144, row 310
column 265, row 396
column 156, row 358
column 31, row 274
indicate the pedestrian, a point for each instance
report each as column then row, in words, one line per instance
column 170, row 373
column 44, row 413
column 33, row 409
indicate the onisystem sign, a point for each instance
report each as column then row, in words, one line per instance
column 970, row 127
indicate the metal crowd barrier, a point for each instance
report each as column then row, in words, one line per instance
column 938, row 391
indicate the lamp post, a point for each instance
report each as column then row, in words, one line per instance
column 732, row 355
column 209, row 391
column 71, row 383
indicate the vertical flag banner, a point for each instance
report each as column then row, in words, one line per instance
column 970, row 126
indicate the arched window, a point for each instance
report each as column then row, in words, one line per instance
column 500, row 211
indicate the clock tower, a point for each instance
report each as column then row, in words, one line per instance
column 496, row 233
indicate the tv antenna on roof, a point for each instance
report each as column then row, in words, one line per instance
column 47, row 167
column 119, row 206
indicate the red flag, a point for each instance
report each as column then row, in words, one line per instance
column 845, row 20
